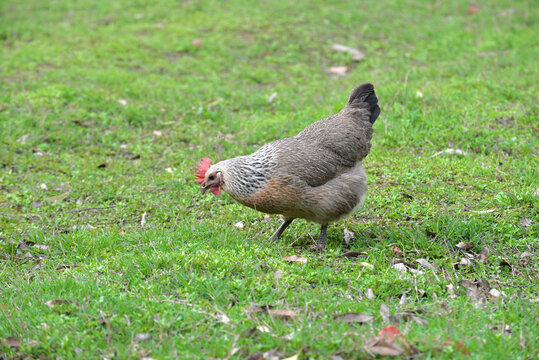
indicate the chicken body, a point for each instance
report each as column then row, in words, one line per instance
column 316, row 175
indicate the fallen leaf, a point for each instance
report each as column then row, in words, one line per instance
column 295, row 258
column 272, row 97
column 263, row 329
column 464, row 245
column 351, row 254
column 483, row 255
column 400, row 267
column 354, row 317
column 357, row 55
column 369, row 294
column 473, row 10
column 294, row 357
column 426, row 264
column 222, row 318
column 239, row 225
column 284, row 314
column 339, row 70
column 60, row 306
column 12, row 341
column 157, row 133
column 403, row 300
column 257, row 309
column 278, row 274
column 196, row 42
column 465, row 262
column 380, row 346
column 525, row 255
column 384, row 312
column 56, row 302
column 348, row 236
column 396, row 250
column 122, row 102
column 121, row 232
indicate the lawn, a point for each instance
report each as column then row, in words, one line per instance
column 109, row 251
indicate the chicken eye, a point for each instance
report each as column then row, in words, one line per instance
column 211, row 177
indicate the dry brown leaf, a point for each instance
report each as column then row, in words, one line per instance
column 196, row 42
column 354, row 317
column 380, row 346
column 285, row 314
column 483, row 255
column 295, row 258
column 56, row 302
column 464, row 245
column 426, row 264
column 255, row 356
column 396, row 250
column 253, row 309
column 12, row 341
column 348, row 236
column 384, row 312
column 351, row 254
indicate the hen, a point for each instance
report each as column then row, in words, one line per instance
column 316, row 175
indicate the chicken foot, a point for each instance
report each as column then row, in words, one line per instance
column 280, row 230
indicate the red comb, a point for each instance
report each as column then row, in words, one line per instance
column 202, row 167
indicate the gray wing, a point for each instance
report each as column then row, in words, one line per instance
column 333, row 145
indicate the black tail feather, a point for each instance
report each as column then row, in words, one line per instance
column 365, row 94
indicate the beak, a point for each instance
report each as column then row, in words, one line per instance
column 204, row 188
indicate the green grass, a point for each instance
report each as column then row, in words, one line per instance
column 445, row 79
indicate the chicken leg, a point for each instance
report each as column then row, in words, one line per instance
column 280, row 230
column 321, row 245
